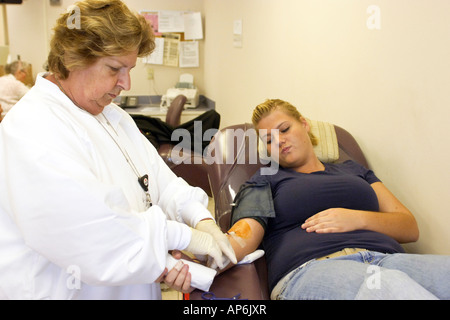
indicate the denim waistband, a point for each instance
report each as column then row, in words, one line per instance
column 281, row 285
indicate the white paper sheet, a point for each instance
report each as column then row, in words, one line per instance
column 193, row 29
column 189, row 56
column 157, row 56
column 171, row 21
column 171, row 49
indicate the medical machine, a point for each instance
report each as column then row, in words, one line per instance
column 186, row 87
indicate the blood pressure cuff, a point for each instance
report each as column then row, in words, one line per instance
column 253, row 201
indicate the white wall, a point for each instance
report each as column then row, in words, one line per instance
column 2, row 33
column 26, row 26
column 388, row 87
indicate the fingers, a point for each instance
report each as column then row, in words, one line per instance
column 227, row 249
column 318, row 225
column 161, row 277
column 213, row 265
column 210, row 227
column 205, row 243
column 177, row 254
column 322, row 222
column 179, row 278
column 216, row 255
column 331, row 221
column 312, row 225
column 225, row 253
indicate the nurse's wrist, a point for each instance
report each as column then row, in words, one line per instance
column 195, row 212
column 178, row 235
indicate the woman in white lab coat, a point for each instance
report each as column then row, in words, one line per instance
column 88, row 210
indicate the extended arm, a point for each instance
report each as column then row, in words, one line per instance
column 394, row 219
column 245, row 236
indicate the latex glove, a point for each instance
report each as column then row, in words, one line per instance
column 255, row 255
column 202, row 243
column 213, row 229
column 213, row 264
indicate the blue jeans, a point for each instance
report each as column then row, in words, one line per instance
column 371, row 275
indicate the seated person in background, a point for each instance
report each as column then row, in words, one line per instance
column 12, row 87
column 332, row 231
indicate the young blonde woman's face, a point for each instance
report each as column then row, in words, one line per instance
column 286, row 136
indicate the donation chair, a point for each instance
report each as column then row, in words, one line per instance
column 194, row 172
column 192, row 167
column 226, row 177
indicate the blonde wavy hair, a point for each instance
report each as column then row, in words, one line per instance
column 106, row 28
column 264, row 109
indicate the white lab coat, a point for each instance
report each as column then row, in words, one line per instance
column 11, row 91
column 73, row 223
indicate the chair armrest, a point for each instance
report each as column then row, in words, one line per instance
column 241, row 279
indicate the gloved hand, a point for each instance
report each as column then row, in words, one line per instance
column 209, row 226
column 203, row 243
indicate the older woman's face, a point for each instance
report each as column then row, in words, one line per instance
column 21, row 74
column 286, row 136
column 96, row 86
